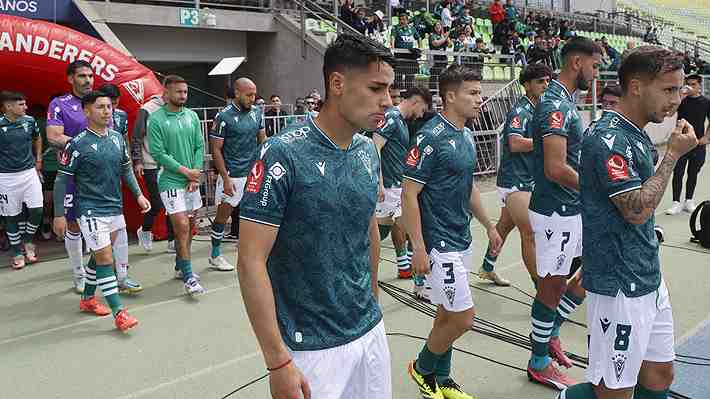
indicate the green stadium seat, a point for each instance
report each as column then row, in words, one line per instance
column 312, row 24
column 488, row 73
column 479, row 22
column 518, row 70
column 499, row 74
column 506, row 72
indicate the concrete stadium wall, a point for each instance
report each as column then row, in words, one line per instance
column 592, row 6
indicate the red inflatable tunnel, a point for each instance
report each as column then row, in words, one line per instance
column 34, row 56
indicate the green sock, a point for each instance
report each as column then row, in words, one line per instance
column 32, row 225
column 402, row 259
column 427, row 361
column 568, row 304
column 106, row 279
column 12, row 228
column 186, row 267
column 641, row 392
column 579, row 391
column 489, row 261
column 217, row 236
column 543, row 319
column 384, row 230
column 90, row 277
column 443, row 366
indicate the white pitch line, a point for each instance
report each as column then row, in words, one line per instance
column 87, row 321
column 187, row 377
column 683, row 339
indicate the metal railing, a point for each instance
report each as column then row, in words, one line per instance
column 494, row 112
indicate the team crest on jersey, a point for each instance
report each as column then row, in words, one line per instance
column 256, row 177
column 619, row 362
column 561, row 260
column 515, row 123
column 614, row 123
column 617, row 168
column 136, row 89
column 413, row 156
column 557, row 120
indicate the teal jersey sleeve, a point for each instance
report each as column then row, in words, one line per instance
column 518, row 123
column 217, row 130
column 199, row 159
column 268, row 185
column 553, row 119
column 421, row 159
column 262, row 119
column 389, row 130
column 613, row 168
column 35, row 130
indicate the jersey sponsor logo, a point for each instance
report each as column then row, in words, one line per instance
column 321, row 167
column 428, row 150
column 277, row 171
column 382, row 123
column 292, row 136
column 515, row 123
column 617, row 168
column 557, row 120
column 256, row 177
column 438, row 129
column 413, row 156
column 64, row 158
column 136, row 89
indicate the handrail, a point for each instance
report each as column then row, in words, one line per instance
column 320, row 11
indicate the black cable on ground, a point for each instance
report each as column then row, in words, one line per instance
column 701, row 251
column 248, row 384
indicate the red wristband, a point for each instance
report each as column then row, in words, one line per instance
column 286, row 363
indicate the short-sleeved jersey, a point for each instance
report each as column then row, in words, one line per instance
column 396, row 133
column 175, row 139
column 405, row 36
column 67, row 111
column 516, row 168
column 322, row 199
column 96, row 162
column 443, row 159
column 16, row 144
column 555, row 114
column 120, row 122
column 239, row 129
column 617, row 157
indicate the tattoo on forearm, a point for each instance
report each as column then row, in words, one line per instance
column 635, row 203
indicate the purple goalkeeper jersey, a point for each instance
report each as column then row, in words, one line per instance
column 67, row 111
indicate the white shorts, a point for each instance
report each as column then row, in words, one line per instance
column 238, row 187
column 356, row 370
column 177, row 201
column 449, row 279
column 97, row 230
column 18, row 188
column 623, row 332
column 391, row 206
column 558, row 240
column 503, row 194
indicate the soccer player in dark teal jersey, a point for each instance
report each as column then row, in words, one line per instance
column 392, row 142
column 97, row 158
column 515, row 176
column 119, row 117
column 554, row 209
column 19, row 178
column 630, row 321
column 438, row 198
column 235, row 136
column 309, row 243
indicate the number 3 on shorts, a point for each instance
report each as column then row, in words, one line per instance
column 623, row 335
column 450, row 277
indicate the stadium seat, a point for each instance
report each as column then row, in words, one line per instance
column 487, row 73
column 499, row 74
column 518, row 70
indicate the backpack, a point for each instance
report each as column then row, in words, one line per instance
column 701, row 214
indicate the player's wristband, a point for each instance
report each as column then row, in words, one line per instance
column 286, row 363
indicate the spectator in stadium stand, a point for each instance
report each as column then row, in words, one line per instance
column 275, row 120
column 481, row 50
column 610, row 96
column 614, row 58
column 347, row 11
column 359, row 23
column 531, row 22
column 314, row 94
column 447, row 20
column 466, row 18
column 439, row 40
column 537, row 52
column 376, row 28
column 496, row 12
column 564, row 28
column 395, row 95
column 405, row 36
column 511, row 13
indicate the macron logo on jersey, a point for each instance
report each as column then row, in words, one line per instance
column 321, row 167
column 263, row 150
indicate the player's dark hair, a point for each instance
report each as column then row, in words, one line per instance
column 453, row 77
column 648, row 62
column 173, row 79
column 92, row 96
column 535, row 71
column 349, row 52
column 111, row 90
column 613, row 89
column 74, row 66
column 271, row 98
column 425, row 94
column 694, row 76
column 580, row 45
column 11, row 96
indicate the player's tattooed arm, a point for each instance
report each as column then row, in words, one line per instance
column 638, row 205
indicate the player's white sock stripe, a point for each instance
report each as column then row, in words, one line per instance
column 109, row 286
column 106, row 279
column 72, row 236
column 568, row 302
column 542, row 324
column 111, row 292
column 541, row 340
column 541, row 333
column 90, row 271
column 564, row 309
